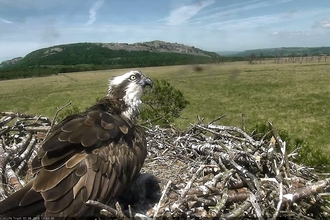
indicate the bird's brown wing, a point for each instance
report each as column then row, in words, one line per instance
column 91, row 157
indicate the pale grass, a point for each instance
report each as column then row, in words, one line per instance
column 295, row 97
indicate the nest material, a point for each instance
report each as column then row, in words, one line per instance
column 209, row 170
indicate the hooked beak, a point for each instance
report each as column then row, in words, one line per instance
column 147, row 82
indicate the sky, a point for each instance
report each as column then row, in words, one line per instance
column 214, row 25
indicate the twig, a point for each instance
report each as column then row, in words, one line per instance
column 215, row 211
column 161, row 199
column 107, row 210
column 256, row 206
column 243, row 121
column 282, row 146
column 217, row 119
column 55, row 116
column 184, row 192
column 39, row 129
column 151, row 121
column 238, row 211
column 3, row 161
column 280, row 200
column 299, row 193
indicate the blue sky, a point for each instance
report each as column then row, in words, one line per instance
column 215, row 25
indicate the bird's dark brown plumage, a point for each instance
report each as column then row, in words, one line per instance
column 89, row 156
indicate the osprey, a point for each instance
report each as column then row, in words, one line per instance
column 93, row 155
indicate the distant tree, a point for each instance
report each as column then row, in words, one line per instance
column 251, row 58
column 260, row 57
column 293, row 57
column 219, row 60
column 279, row 58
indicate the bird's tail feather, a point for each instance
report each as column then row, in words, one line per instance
column 13, row 207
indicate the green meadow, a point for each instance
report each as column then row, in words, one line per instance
column 295, row 97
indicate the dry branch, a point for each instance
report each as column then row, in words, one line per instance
column 207, row 171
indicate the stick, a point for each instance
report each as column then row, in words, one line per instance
column 217, row 119
column 55, row 116
column 107, row 210
column 279, row 204
column 193, row 178
column 161, row 199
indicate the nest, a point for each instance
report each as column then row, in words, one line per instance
column 207, row 171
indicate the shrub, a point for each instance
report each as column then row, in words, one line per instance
column 162, row 104
column 309, row 155
column 312, row 155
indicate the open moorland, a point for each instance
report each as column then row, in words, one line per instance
column 295, row 97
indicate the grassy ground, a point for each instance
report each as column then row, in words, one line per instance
column 295, row 97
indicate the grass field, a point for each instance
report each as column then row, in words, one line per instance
column 295, row 97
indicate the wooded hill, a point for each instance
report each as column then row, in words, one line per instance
column 100, row 56
column 96, row 56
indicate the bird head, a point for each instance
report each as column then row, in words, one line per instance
column 128, row 88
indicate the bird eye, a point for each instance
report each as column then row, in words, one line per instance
column 132, row 77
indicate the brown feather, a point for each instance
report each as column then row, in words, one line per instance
column 72, row 125
column 25, row 202
column 30, row 197
column 105, row 167
column 48, row 160
column 81, row 169
column 75, row 159
column 56, row 206
column 64, row 186
column 97, row 185
column 80, row 184
column 124, row 129
column 107, row 125
column 89, row 121
column 103, row 135
column 73, row 137
column 93, row 155
column 93, row 162
column 89, row 137
column 47, row 180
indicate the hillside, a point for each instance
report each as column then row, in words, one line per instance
column 107, row 53
column 99, row 56
column 12, row 61
column 285, row 51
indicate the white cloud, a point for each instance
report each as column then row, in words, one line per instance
column 183, row 14
column 237, row 8
column 325, row 23
column 5, row 21
column 269, row 21
column 291, row 34
column 92, row 11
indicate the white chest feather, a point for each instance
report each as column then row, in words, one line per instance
column 133, row 101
